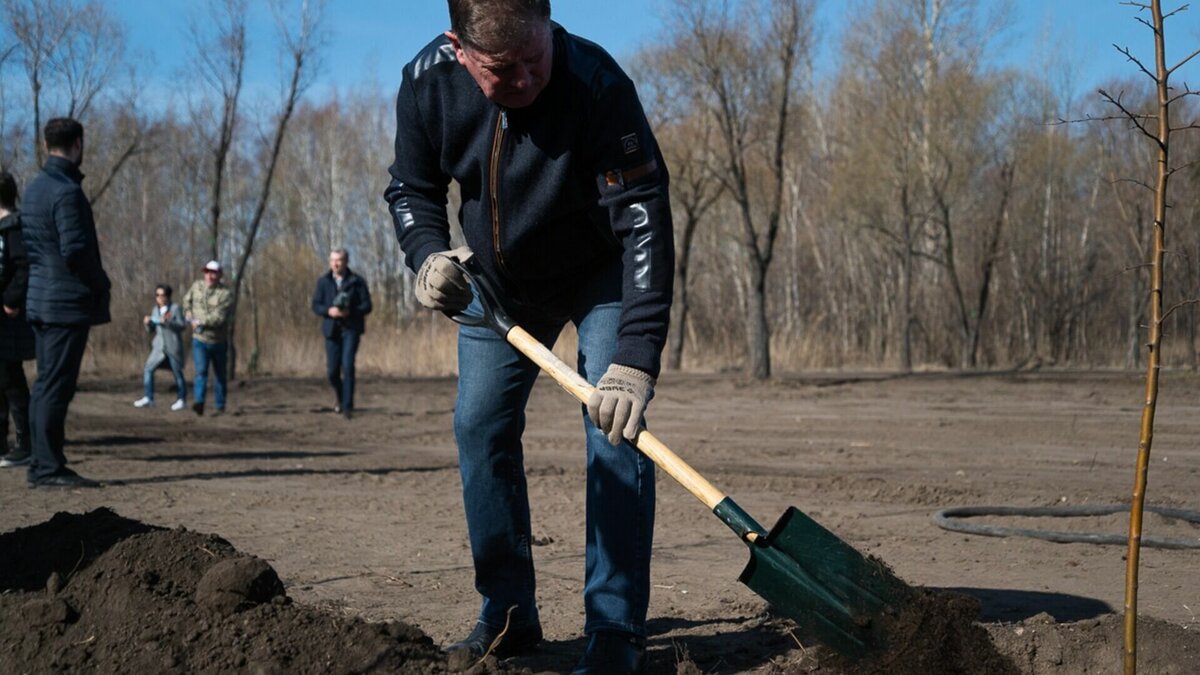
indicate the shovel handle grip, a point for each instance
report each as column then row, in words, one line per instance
column 650, row 446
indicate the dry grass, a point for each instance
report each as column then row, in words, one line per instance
column 422, row 348
column 427, row 347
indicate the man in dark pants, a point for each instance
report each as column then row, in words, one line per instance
column 566, row 212
column 343, row 299
column 16, row 338
column 68, row 294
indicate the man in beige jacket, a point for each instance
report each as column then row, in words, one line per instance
column 207, row 306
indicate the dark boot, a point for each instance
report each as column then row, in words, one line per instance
column 612, row 653
column 518, row 640
column 19, row 454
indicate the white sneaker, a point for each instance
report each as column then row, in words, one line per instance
column 178, row 405
column 143, row 402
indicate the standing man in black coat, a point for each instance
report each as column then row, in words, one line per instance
column 344, row 301
column 16, row 338
column 68, row 294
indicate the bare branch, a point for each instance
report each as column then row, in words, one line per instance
column 1185, row 303
column 1187, row 58
column 134, row 148
column 1134, row 118
column 1129, row 55
column 1174, row 12
column 1134, row 181
column 1091, row 118
column 1183, row 94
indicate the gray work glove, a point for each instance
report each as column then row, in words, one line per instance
column 620, row 398
column 440, row 285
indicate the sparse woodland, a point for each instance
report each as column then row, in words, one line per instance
column 917, row 205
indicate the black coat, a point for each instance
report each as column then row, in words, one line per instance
column 358, row 301
column 552, row 194
column 67, row 282
column 16, row 337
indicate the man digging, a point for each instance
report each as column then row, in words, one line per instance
column 565, row 210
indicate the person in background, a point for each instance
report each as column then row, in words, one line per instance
column 166, row 323
column 565, row 208
column 69, row 293
column 16, row 337
column 343, row 300
column 207, row 306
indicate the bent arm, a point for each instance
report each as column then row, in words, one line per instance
column 321, row 302
column 364, row 306
column 634, row 186
column 77, row 240
column 218, row 316
column 18, row 281
column 176, row 322
column 416, row 195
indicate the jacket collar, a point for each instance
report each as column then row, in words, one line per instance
column 11, row 220
column 64, row 166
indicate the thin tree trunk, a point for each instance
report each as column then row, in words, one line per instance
column 681, row 306
column 294, row 90
column 1154, row 352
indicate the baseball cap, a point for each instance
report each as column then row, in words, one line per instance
column 212, row 266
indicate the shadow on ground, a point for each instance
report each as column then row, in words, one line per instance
column 1004, row 604
column 234, row 456
column 740, row 650
column 114, row 441
column 275, row 473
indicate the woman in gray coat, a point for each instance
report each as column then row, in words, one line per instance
column 166, row 323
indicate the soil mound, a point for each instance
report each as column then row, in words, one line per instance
column 99, row 593
column 938, row 633
column 935, row 632
column 1039, row 646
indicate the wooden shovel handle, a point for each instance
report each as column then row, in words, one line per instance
column 650, row 446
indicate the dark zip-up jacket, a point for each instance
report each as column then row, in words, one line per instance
column 16, row 337
column 67, row 282
column 552, row 193
column 358, row 301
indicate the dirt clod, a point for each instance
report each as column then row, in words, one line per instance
column 238, row 584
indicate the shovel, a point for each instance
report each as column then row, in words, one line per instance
column 836, row 595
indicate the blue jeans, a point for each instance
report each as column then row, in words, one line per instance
column 493, row 387
column 202, row 354
column 340, row 351
column 176, row 370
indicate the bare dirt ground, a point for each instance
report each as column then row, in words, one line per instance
column 364, row 518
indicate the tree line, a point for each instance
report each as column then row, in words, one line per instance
column 924, row 203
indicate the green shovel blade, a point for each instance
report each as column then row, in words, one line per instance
column 835, row 594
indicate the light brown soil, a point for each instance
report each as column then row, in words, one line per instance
column 364, row 518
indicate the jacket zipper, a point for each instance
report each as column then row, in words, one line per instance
column 497, row 144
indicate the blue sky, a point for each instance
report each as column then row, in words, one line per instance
column 370, row 40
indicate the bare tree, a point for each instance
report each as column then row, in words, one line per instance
column 1155, row 126
column 744, row 61
column 39, row 27
column 300, row 42
column 686, row 136
column 222, row 60
column 88, row 56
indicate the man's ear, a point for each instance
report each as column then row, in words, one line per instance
column 457, row 44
